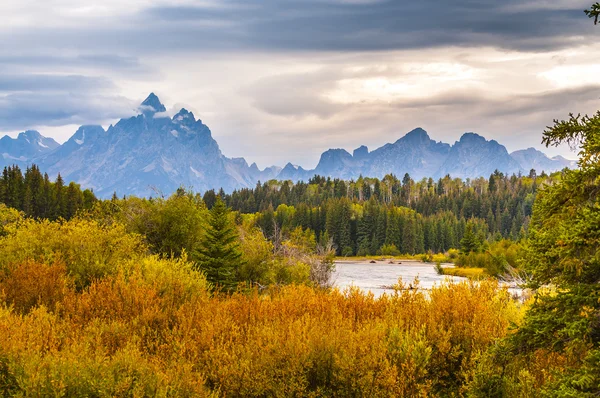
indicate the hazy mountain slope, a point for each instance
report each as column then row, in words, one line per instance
column 415, row 154
column 531, row 158
column 21, row 151
column 474, row 156
column 151, row 154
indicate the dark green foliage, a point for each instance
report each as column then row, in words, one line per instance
column 210, row 198
column 563, row 255
column 503, row 204
column 219, row 255
column 169, row 226
column 470, row 242
column 37, row 197
column 594, row 12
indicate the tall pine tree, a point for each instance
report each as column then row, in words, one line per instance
column 219, row 255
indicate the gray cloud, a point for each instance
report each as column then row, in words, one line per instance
column 43, row 90
column 515, row 119
column 382, row 25
column 84, row 60
column 295, row 95
column 40, row 82
column 309, row 25
column 20, row 111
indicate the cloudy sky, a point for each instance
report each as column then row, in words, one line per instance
column 284, row 80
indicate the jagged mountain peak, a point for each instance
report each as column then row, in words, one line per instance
column 417, row 134
column 184, row 116
column 146, row 152
column 335, row 161
column 27, row 146
column 156, row 150
column 336, row 151
column 36, row 141
column 474, row 156
column 30, row 134
column 152, row 104
column 361, row 152
column 290, row 166
column 86, row 133
column 472, row 138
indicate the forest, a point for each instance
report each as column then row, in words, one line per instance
column 410, row 218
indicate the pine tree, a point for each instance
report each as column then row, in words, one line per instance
column 60, row 206
column 366, row 227
column 380, row 228
column 469, row 242
column 409, row 236
column 74, row 200
column 594, row 12
column 563, row 251
column 219, row 255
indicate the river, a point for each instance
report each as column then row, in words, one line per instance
column 378, row 278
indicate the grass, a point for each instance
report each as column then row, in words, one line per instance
column 471, row 273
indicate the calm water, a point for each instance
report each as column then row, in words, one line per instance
column 377, row 277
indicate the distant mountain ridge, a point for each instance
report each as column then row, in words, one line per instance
column 28, row 146
column 152, row 154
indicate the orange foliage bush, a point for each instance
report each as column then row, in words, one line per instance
column 30, row 284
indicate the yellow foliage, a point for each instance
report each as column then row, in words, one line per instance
column 86, row 311
column 152, row 329
column 88, row 250
column 8, row 216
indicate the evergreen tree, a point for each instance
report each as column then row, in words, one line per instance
column 74, row 200
column 59, row 208
column 366, row 227
column 469, row 242
column 219, row 255
column 563, row 251
column 409, row 236
column 594, row 12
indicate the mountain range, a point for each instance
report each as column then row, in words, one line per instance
column 152, row 153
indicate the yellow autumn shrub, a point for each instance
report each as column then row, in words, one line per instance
column 88, row 250
column 86, row 311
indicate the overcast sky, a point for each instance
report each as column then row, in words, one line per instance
column 284, row 80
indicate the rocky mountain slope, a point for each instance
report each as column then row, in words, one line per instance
column 152, row 154
column 149, row 154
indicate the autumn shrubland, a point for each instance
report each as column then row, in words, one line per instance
column 87, row 309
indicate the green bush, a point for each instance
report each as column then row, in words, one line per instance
column 390, row 250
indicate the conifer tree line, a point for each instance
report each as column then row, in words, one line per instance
column 371, row 216
column 38, row 197
column 367, row 216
